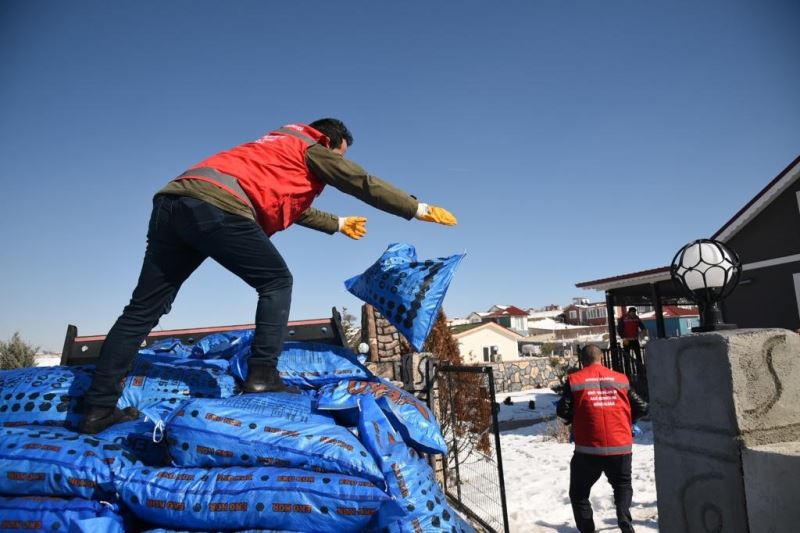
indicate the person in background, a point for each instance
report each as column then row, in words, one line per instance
column 227, row 207
column 602, row 408
column 629, row 327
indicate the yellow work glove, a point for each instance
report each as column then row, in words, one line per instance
column 431, row 213
column 353, row 227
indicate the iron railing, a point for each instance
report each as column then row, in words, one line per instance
column 473, row 470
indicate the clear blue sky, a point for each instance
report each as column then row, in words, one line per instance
column 573, row 139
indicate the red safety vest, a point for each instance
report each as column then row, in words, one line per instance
column 269, row 174
column 630, row 328
column 601, row 419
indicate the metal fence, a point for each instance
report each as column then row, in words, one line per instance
column 629, row 363
column 473, row 470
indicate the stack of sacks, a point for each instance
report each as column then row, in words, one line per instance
column 274, row 461
column 258, row 461
column 55, row 479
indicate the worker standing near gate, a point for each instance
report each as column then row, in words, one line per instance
column 602, row 408
column 227, row 207
column 629, row 327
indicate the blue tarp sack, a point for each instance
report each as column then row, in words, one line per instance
column 407, row 292
column 310, row 365
column 265, row 429
column 151, row 383
column 143, row 438
column 408, row 415
column 409, row 479
column 223, row 345
column 37, row 460
column 167, row 348
column 250, row 498
column 43, row 395
column 43, row 513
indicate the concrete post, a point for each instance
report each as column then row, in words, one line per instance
column 712, row 396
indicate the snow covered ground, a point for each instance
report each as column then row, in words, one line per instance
column 537, row 473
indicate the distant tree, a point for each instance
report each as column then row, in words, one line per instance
column 465, row 413
column 352, row 331
column 16, row 353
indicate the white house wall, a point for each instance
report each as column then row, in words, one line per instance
column 471, row 345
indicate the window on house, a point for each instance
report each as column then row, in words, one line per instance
column 573, row 314
column 490, row 354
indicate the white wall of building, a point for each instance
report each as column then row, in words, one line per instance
column 471, row 345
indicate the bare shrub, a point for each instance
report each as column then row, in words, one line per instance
column 16, row 353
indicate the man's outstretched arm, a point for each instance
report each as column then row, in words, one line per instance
column 352, row 179
column 353, row 227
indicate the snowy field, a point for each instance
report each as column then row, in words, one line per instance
column 537, row 473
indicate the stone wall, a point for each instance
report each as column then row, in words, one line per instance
column 536, row 372
column 382, row 337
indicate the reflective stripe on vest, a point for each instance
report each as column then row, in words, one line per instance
column 303, row 137
column 218, row 178
column 607, row 450
column 599, row 385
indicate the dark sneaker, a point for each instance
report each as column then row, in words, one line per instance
column 97, row 419
column 264, row 378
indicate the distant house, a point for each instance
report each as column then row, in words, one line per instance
column 486, row 343
column 585, row 314
column 677, row 321
column 764, row 232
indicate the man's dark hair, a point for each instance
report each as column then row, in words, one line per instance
column 335, row 130
column 630, row 309
column 591, row 353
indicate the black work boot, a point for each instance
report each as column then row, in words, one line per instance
column 97, row 419
column 264, row 377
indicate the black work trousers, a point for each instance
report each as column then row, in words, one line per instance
column 182, row 233
column 585, row 470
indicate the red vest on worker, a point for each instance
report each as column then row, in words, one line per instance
column 601, row 419
column 269, row 174
column 630, row 327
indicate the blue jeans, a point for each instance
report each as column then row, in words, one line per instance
column 184, row 231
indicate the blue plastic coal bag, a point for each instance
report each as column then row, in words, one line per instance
column 411, row 417
column 310, row 365
column 265, row 429
column 44, row 461
column 406, row 291
column 45, row 513
column 409, row 478
column 256, row 497
column 150, row 383
column 43, row 395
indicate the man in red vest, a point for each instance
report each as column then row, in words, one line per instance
column 629, row 326
column 227, row 207
column 601, row 407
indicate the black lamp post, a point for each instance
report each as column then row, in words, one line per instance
column 708, row 271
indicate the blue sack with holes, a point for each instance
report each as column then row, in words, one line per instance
column 406, row 291
column 256, row 497
column 167, row 348
column 150, row 383
column 408, row 415
column 44, row 461
column 310, row 365
column 47, row 395
column 223, row 345
column 265, row 429
column 143, row 438
column 43, row 513
column 409, row 478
